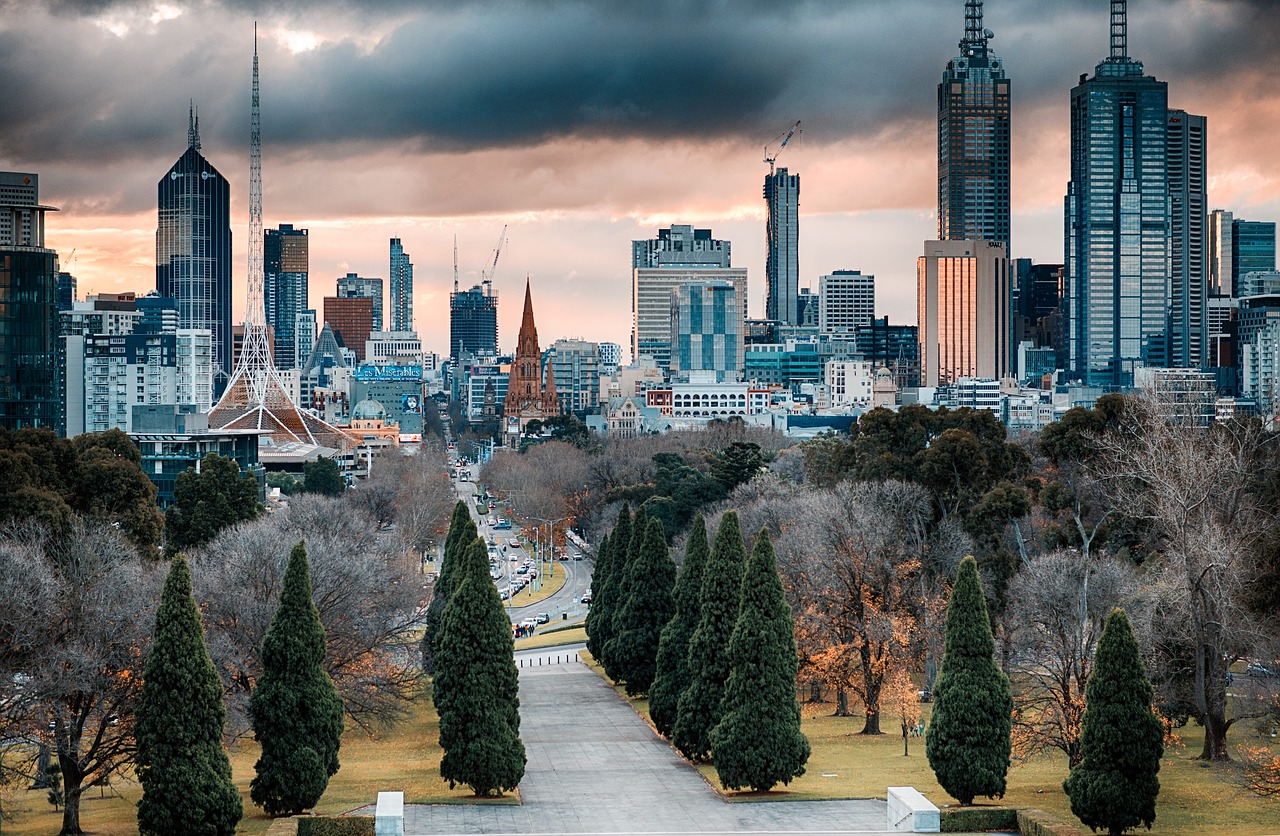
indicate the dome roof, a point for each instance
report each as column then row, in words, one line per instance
column 368, row 410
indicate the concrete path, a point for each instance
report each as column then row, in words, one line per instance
column 596, row 768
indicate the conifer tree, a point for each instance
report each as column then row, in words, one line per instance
column 758, row 742
column 296, row 710
column 476, row 686
column 462, row 530
column 672, row 675
column 1114, row 787
column 698, row 711
column 968, row 743
column 605, row 603
column 651, row 578
column 183, row 769
column 600, row 570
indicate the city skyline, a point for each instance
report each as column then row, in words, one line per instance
column 592, row 159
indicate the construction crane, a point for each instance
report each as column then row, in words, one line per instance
column 455, row 263
column 771, row 158
column 487, row 277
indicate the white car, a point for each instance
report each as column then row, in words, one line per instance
column 529, row 623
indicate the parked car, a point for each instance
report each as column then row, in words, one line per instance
column 504, row 594
column 529, row 623
column 542, row 617
column 586, row 599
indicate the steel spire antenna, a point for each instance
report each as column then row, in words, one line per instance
column 256, row 397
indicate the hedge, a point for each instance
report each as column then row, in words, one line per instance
column 1033, row 822
column 971, row 819
column 335, row 826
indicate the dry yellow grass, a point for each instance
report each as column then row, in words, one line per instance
column 573, row 635
column 550, row 586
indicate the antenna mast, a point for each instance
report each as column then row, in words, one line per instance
column 455, row 263
column 1119, row 30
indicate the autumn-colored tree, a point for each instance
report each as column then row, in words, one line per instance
column 900, row 699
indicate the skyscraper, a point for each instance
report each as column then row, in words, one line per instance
column 1236, row 247
column 1188, row 247
column 354, row 286
column 847, row 301
column 973, row 139
column 401, row 288
column 681, row 246
column 286, row 267
column 29, row 387
column 706, row 330
column 782, row 247
column 962, row 298
column 473, row 321
column 193, row 247
column 1117, row 220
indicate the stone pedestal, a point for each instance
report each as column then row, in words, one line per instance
column 389, row 818
column 910, row 812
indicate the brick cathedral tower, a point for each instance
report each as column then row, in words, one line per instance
column 527, row 397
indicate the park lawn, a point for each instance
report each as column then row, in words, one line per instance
column 406, row 757
column 573, row 635
column 550, row 586
column 1195, row 798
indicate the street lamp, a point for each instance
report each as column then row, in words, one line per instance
column 551, row 537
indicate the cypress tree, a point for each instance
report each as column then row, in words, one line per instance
column 698, row 710
column 296, row 710
column 476, row 687
column 968, row 743
column 758, row 743
column 600, row 570
column 672, row 676
column 605, row 603
column 462, row 530
column 183, row 769
column 651, row 577
column 1114, row 787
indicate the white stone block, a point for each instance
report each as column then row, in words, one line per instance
column 389, row 818
column 911, row 812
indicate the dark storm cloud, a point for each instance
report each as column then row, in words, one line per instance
column 467, row 76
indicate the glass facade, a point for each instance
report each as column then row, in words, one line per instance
column 473, row 322
column 707, row 330
column 285, row 273
column 401, row 288
column 1253, row 246
column 193, row 249
column 29, row 384
column 973, row 140
column 1188, row 245
column 1117, row 225
column 782, row 247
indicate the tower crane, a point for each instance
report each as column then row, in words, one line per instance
column 771, row 158
column 487, row 277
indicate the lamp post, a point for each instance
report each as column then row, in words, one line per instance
column 551, row 538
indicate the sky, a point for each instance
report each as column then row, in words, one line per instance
column 581, row 126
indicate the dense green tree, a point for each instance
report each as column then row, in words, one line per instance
column 462, row 530
column 736, row 464
column 1121, row 739
column 758, row 742
column 645, row 611
column 969, row 734
column 689, row 488
column 699, row 707
column 606, row 590
column 673, row 646
column 206, row 502
column 323, row 476
column 623, row 585
column 183, row 769
column 602, row 565
column 296, row 710
column 476, row 689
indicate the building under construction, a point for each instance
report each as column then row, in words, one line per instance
column 473, row 321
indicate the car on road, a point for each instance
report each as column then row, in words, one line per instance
column 522, row 570
column 529, row 623
column 504, row 594
column 513, row 543
column 503, row 525
column 1259, row 669
column 542, row 617
column 586, row 598
column 492, row 520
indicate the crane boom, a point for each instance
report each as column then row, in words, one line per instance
column 772, row 158
column 497, row 251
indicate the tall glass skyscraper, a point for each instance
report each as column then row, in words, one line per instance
column 29, row 380
column 285, row 270
column 782, row 247
column 473, row 322
column 1188, row 244
column 1117, row 222
column 973, row 139
column 193, row 247
column 401, row 288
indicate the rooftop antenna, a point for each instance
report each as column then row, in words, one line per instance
column 1119, row 30
column 193, row 125
column 975, row 36
column 455, row 263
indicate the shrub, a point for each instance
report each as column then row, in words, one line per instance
column 335, row 826
column 979, row 819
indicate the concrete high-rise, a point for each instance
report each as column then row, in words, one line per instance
column 401, row 288
column 782, row 247
column 846, row 301
column 1188, row 244
column 973, row 139
column 354, row 286
column 285, row 270
column 1117, row 223
column 193, row 247
column 473, row 322
column 30, row 390
column 351, row 318
column 962, row 299
column 681, row 246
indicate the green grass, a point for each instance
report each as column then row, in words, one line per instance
column 572, row 635
column 406, row 758
column 1195, row 798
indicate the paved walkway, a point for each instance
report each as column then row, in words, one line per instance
column 596, row 768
